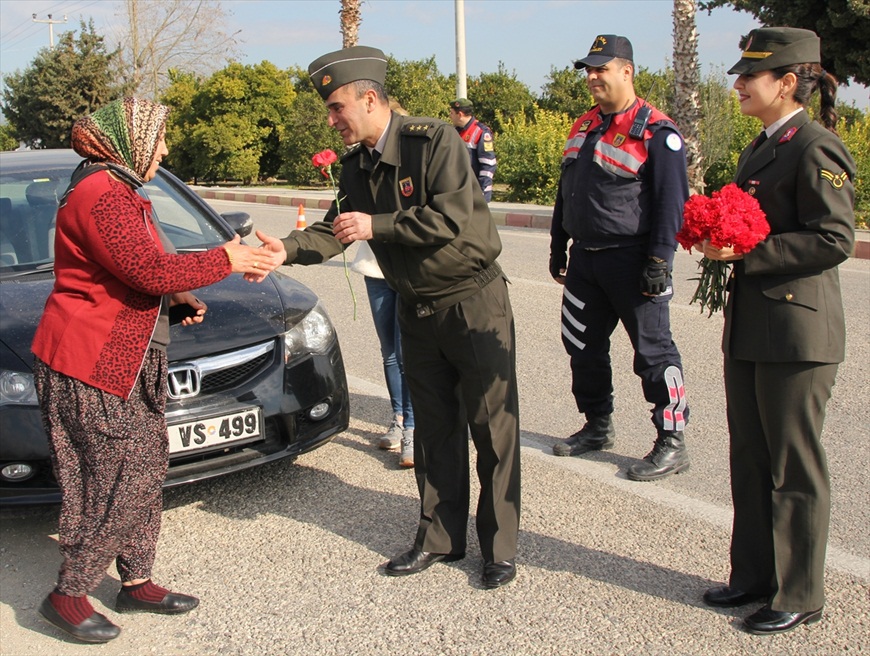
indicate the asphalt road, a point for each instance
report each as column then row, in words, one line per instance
column 286, row 558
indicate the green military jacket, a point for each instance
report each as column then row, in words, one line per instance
column 785, row 303
column 433, row 234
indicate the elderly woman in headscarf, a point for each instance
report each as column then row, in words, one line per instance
column 101, row 363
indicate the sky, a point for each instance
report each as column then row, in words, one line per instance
column 530, row 37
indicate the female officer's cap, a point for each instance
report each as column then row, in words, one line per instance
column 771, row 47
column 335, row 69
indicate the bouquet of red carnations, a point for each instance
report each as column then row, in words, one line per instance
column 729, row 217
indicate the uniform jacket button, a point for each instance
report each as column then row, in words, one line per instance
column 789, row 296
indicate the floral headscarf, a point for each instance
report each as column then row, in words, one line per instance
column 124, row 133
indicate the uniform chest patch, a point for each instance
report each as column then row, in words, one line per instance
column 837, row 180
column 674, row 142
column 618, row 140
column 406, row 187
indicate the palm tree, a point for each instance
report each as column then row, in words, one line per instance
column 687, row 80
column 351, row 17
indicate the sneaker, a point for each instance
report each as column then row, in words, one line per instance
column 393, row 437
column 407, row 457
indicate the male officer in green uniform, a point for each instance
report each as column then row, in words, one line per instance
column 408, row 189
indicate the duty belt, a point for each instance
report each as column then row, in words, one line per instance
column 424, row 308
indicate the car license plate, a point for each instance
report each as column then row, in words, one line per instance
column 244, row 425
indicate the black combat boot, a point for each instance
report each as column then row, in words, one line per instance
column 668, row 456
column 597, row 434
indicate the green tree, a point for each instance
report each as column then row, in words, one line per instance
column 565, row 91
column 530, row 153
column 306, row 132
column 842, row 25
column 8, row 140
column 856, row 136
column 419, row 87
column 499, row 97
column 229, row 126
column 61, row 85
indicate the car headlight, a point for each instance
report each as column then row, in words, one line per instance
column 313, row 334
column 17, row 388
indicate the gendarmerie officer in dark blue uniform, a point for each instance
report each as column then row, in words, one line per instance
column 407, row 188
column 620, row 203
column 784, row 331
column 479, row 140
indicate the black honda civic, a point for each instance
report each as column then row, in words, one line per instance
column 261, row 378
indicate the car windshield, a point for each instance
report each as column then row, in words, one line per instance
column 30, row 187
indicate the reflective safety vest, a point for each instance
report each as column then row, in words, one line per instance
column 604, row 199
column 616, row 152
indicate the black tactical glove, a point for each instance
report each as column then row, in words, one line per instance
column 558, row 264
column 655, row 278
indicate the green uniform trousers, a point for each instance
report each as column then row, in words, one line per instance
column 460, row 364
column 779, row 479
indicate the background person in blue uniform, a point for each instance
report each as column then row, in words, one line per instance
column 784, row 332
column 620, row 202
column 478, row 138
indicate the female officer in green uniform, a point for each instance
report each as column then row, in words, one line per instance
column 784, row 332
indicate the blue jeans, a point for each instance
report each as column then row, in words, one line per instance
column 384, row 301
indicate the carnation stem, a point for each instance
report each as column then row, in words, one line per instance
column 712, row 285
column 343, row 250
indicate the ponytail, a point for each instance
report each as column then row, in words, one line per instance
column 809, row 78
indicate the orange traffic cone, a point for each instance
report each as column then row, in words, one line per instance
column 300, row 218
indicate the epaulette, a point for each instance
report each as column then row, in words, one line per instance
column 350, row 152
column 421, row 128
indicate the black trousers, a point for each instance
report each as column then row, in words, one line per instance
column 460, row 364
column 779, row 479
column 602, row 288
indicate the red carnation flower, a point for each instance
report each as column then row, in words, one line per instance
column 729, row 217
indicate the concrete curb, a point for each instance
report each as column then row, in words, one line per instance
column 504, row 214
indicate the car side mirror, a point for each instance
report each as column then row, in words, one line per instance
column 241, row 222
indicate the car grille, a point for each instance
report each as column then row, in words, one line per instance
column 234, row 376
column 215, row 373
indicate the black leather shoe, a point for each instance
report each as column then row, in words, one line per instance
column 414, row 561
column 768, row 621
column 499, row 573
column 172, row 604
column 96, row 628
column 727, row 597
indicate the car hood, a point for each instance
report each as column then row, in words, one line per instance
column 239, row 314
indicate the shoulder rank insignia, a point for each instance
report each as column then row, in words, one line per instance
column 837, row 180
column 786, row 137
column 417, row 129
column 585, row 125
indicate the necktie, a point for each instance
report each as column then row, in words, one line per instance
column 376, row 155
column 760, row 139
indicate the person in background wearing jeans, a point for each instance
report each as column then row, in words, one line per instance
column 383, row 301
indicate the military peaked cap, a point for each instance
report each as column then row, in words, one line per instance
column 335, row 69
column 771, row 47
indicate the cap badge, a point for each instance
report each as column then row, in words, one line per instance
column 598, row 44
column 326, row 80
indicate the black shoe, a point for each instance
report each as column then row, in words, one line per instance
column 172, row 604
column 597, row 434
column 498, row 573
column 768, row 621
column 725, row 596
column 414, row 561
column 668, row 456
column 96, row 628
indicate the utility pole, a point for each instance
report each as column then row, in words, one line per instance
column 461, row 73
column 51, row 24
